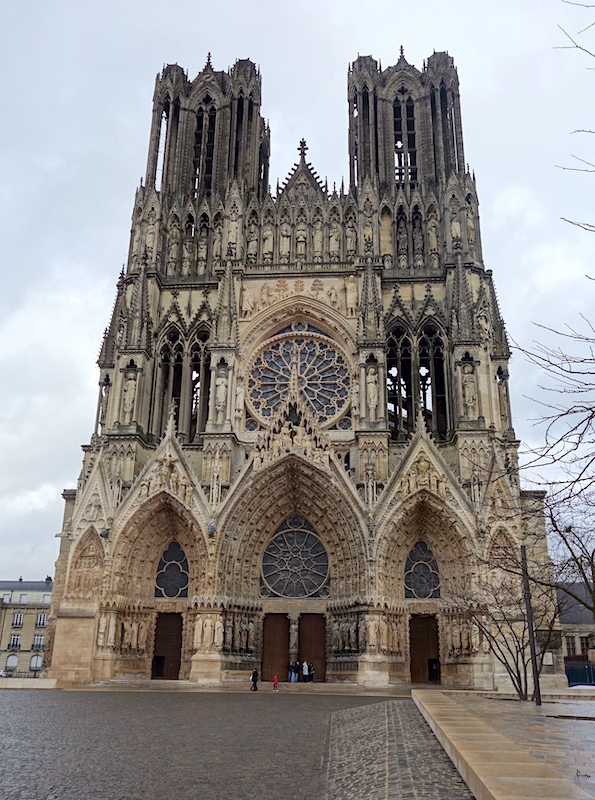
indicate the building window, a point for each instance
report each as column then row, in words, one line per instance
column 46, row 599
column 17, row 620
column 422, row 580
column 295, row 564
column 23, row 598
column 38, row 640
column 35, row 663
column 584, row 645
column 6, row 597
column 15, row 641
column 172, row 573
column 41, row 620
column 11, row 663
column 570, row 645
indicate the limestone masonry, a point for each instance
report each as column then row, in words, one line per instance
column 303, row 434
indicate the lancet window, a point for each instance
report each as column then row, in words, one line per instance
column 422, row 579
column 200, row 375
column 204, row 148
column 405, row 146
column 171, row 363
column 416, row 381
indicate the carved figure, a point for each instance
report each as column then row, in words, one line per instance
column 221, row 396
column 333, row 297
column 469, row 392
column 267, row 295
column 248, row 302
column 129, row 396
column 351, row 298
column 251, row 635
column 433, row 235
column 217, row 236
column 285, row 241
column 300, row 240
column 208, row 630
column 232, row 236
column 293, row 636
column 267, row 242
column 334, row 240
column 372, row 392
column 218, row 634
column 317, row 240
column 203, row 244
column 101, row 631
column 150, row 237
column 252, row 242
column 351, row 236
column 198, row 633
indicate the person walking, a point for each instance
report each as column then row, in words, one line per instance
column 305, row 671
column 254, row 679
column 275, row 683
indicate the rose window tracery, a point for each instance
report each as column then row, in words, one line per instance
column 422, row 580
column 306, row 364
column 295, row 563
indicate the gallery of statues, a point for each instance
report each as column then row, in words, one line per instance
column 303, row 436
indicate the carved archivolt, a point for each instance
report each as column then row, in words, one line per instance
column 268, row 498
column 86, row 568
column 139, row 546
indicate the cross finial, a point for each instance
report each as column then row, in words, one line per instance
column 402, row 51
column 302, row 148
column 208, row 64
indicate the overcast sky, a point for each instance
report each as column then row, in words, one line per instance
column 76, row 92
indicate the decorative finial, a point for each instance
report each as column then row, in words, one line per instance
column 171, row 419
column 208, row 64
column 402, row 52
column 302, row 148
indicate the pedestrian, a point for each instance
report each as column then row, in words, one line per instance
column 311, row 672
column 290, row 672
column 275, row 683
column 296, row 671
column 305, row 671
column 254, row 679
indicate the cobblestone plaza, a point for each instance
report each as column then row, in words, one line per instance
column 158, row 745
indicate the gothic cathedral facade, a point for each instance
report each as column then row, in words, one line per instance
column 303, row 434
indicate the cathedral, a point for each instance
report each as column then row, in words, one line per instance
column 303, row 435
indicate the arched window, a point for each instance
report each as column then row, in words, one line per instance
column 204, row 148
column 200, row 379
column 405, row 145
column 399, row 385
column 422, row 580
column 11, row 663
column 295, row 564
column 415, row 381
column 35, row 663
column 172, row 573
column 171, row 366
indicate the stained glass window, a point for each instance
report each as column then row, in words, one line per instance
column 316, row 366
column 422, row 580
column 172, row 573
column 295, row 564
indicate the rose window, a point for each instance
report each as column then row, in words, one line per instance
column 295, row 564
column 312, row 366
column 422, row 580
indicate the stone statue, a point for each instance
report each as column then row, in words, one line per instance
column 333, row 297
column 469, row 391
column 317, row 240
column 285, row 241
column 129, row 396
column 252, row 242
column 142, row 637
column 267, row 242
column 351, row 236
column 151, row 233
column 221, row 396
column 248, row 302
column 267, row 295
column 240, row 399
column 101, row 631
column 198, row 633
column 208, row 630
column 218, row 634
column 111, row 631
column 301, row 240
column 372, row 392
column 418, row 244
column 433, row 235
column 334, row 240
column 470, row 226
column 217, row 240
column 251, row 635
column 293, row 636
column 351, row 299
column 232, row 236
column 203, row 244
column 402, row 243
column 455, row 226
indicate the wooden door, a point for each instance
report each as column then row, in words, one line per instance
column 424, row 649
column 312, row 643
column 275, row 646
column 167, row 655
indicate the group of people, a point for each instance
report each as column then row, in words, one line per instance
column 305, row 669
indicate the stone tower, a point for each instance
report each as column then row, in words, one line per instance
column 303, row 431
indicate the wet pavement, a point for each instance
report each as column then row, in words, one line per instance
column 244, row 746
column 561, row 734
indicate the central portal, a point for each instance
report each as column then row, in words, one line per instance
column 312, row 641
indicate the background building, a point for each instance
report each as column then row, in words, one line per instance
column 303, row 445
column 24, row 610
